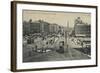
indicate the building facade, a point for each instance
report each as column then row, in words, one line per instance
column 41, row 26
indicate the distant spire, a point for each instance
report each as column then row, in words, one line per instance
column 68, row 25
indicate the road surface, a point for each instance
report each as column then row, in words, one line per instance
column 55, row 56
column 69, row 54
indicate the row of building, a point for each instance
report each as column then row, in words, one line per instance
column 41, row 26
column 80, row 28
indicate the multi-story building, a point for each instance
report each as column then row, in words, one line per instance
column 41, row 26
column 81, row 28
column 26, row 28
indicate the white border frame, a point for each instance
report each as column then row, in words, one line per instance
column 35, row 65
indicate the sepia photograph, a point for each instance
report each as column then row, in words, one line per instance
column 56, row 36
column 47, row 36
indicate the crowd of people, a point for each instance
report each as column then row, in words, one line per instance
column 41, row 43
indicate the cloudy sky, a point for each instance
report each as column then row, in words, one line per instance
column 60, row 18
